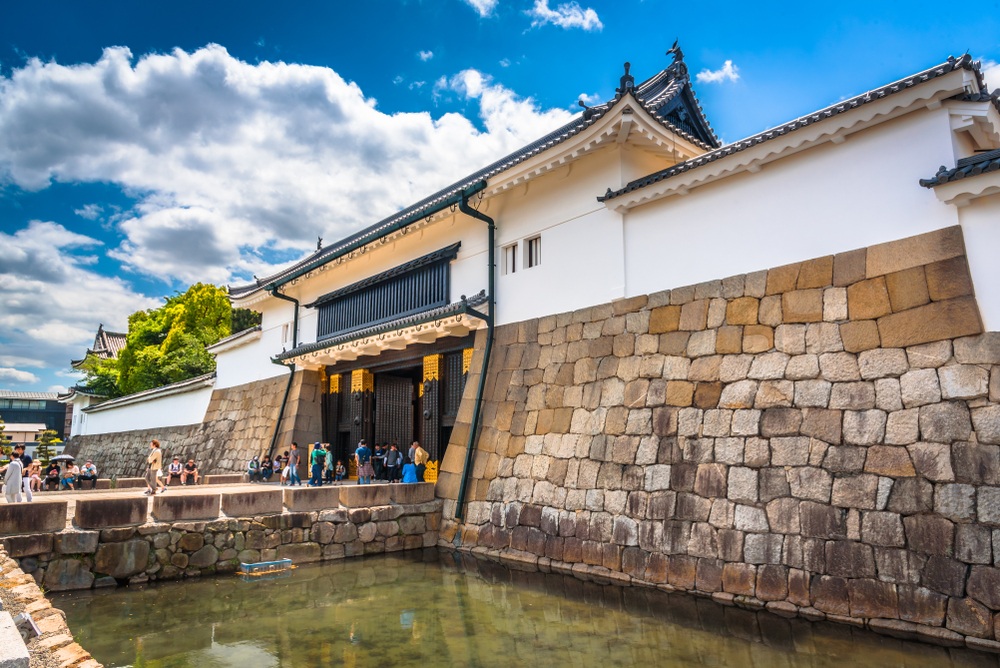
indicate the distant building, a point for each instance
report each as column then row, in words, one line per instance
column 32, row 408
column 107, row 345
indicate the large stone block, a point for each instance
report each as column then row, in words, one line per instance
column 76, row 542
column 907, row 288
column 28, row 545
column 35, row 517
column 945, row 422
column 915, row 251
column 224, row 479
column 802, row 306
column 934, row 322
column 67, row 575
column 984, row 349
column 108, row 513
column 949, row 278
column 871, row 598
column 868, row 299
column 183, row 507
column 930, row 534
column 414, row 493
column 319, row 498
column 122, row 560
column 252, row 502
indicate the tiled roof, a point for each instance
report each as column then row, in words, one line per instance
column 107, row 345
column 232, row 337
column 145, row 395
column 37, row 396
column 971, row 166
column 408, row 321
column 660, row 96
column 952, row 64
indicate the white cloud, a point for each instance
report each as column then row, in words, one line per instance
column 232, row 162
column 505, row 62
column 398, row 79
column 51, row 303
column 483, row 7
column 728, row 72
column 589, row 99
column 567, row 15
column 89, row 211
column 58, row 389
column 991, row 72
column 416, row 85
column 9, row 375
column 425, row 55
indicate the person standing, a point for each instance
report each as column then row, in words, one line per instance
column 26, row 463
column 410, row 453
column 393, row 462
column 14, row 471
column 420, row 457
column 378, row 460
column 363, row 458
column 317, row 459
column 293, row 466
column 154, row 466
column 329, row 462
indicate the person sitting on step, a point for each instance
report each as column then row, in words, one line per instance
column 190, row 475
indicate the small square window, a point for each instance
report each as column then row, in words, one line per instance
column 533, row 252
column 509, row 259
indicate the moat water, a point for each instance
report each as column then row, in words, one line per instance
column 436, row 608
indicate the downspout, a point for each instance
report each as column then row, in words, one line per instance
column 488, row 317
column 291, row 367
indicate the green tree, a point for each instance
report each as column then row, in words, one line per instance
column 4, row 438
column 244, row 318
column 166, row 344
column 45, row 441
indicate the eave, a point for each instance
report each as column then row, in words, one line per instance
column 834, row 124
column 453, row 320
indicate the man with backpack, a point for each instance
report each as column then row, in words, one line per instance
column 363, row 457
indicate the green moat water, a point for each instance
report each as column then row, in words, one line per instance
column 443, row 609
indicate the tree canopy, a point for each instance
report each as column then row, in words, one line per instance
column 167, row 344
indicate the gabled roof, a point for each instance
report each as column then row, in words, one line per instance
column 971, row 166
column 952, row 64
column 107, row 345
column 667, row 96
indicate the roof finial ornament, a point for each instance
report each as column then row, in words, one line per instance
column 627, row 81
column 319, row 243
column 588, row 112
column 676, row 52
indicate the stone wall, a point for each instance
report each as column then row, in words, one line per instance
column 239, row 424
column 819, row 438
column 55, row 646
column 80, row 559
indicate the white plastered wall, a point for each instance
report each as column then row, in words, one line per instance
column 169, row 411
column 981, row 227
column 822, row 200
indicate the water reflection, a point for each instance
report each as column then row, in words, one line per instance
column 445, row 609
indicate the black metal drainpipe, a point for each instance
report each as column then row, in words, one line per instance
column 463, row 205
column 291, row 367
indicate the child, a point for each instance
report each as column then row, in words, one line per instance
column 341, row 471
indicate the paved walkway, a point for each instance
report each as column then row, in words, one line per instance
column 184, row 490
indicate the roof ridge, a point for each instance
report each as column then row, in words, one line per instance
column 952, row 64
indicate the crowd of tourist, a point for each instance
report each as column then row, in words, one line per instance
column 385, row 462
column 23, row 476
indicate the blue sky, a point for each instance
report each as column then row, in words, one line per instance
column 146, row 146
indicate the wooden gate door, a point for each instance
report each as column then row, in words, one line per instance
column 394, row 410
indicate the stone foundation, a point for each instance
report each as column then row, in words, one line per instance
column 136, row 550
column 821, row 439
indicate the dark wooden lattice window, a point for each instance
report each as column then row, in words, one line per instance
column 408, row 289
